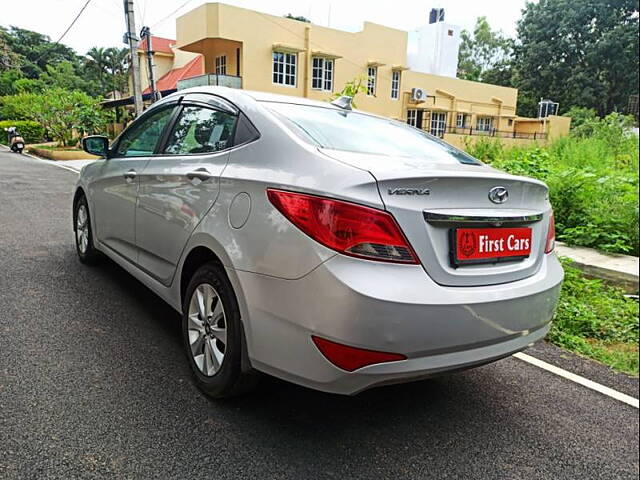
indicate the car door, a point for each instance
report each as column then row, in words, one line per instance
column 179, row 186
column 115, row 190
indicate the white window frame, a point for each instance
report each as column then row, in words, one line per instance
column 395, row 84
column 284, row 69
column 322, row 74
column 372, row 76
column 461, row 120
column 484, row 124
column 438, row 123
column 221, row 65
column 412, row 117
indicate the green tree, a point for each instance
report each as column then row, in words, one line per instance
column 579, row 53
column 485, row 55
column 96, row 65
column 63, row 75
column 117, row 65
column 7, row 81
column 35, row 51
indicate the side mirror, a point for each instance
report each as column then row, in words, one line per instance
column 96, row 145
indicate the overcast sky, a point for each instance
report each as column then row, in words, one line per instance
column 102, row 23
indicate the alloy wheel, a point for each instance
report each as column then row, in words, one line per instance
column 207, row 329
column 82, row 228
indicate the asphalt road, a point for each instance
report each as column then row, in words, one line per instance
column 94, row 384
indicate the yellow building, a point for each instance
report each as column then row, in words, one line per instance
column 248, row 49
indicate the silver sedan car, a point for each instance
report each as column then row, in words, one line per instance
column 325, row 246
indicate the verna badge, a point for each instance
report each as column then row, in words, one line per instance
column 498, row 194
column 409, row 191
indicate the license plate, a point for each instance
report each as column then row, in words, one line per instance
column 489, row 245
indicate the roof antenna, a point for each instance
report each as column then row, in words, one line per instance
column 344, row 102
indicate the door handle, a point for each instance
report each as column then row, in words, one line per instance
column 201, row 174
column 129, row 174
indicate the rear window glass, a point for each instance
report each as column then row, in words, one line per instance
column 356, row 132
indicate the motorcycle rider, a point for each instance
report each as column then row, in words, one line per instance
column 16, row 142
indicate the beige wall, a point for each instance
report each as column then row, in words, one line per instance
column 558, row 126
column 163, row 62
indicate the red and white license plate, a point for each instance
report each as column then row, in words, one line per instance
column 487, row 245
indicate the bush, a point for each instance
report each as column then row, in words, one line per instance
column 32, row 132
column 593, row 182
column 61, row 112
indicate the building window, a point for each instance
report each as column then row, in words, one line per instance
column 484, row 124
column 412, row 117
column 372, row 73
column 284, row 68
column 221, row 65
column 510, row 122
column 438, row 123
column 322, row 74
column 395, row 84
column 461, row 120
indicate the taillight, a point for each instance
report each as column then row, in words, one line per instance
column 345, row 227
column 551, row 235
column 351, row 358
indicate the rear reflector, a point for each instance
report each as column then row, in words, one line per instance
column 551, row 235
column 345, row 227
column 351, row 358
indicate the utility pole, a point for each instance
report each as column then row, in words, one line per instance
column 155, row 94
column 132, row 41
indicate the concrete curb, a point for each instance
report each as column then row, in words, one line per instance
column 620, row 270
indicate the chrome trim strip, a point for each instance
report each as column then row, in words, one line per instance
column 432, row 217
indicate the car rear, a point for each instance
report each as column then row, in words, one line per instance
column 445, row 274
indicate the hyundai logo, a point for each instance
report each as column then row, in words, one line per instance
column 498, row 194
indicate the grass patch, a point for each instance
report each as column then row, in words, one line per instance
column 596, row 320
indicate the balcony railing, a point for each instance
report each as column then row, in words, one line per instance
column 493, row 133
column 211, row 79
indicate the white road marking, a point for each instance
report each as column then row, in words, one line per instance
column 609, row 392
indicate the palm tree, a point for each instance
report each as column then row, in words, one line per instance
column 96, row 62
column 117, row 65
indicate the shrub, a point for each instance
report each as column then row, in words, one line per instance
column 31, row 131
column 60, row 112
column 593, row 181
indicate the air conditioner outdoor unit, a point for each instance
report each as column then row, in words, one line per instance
column 418, row 95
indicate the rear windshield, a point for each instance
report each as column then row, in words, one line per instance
column 357, row 132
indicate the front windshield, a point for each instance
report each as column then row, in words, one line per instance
column 356, row 132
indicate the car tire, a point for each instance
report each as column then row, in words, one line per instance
column 83, row 233
column 214, row 346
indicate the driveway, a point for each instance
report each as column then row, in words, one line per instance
column 94, row 383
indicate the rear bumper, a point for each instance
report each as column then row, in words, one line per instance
column 393, row 308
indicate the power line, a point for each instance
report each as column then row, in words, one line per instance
column 64, row 33
column 167, row 16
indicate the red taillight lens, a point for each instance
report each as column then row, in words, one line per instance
column 551, row 235
column 351, row 358
column 348, row 228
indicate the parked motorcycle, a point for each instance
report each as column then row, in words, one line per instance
column 16, row 142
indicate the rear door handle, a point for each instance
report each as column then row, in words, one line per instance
column 201, row 174
column 129, row 174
